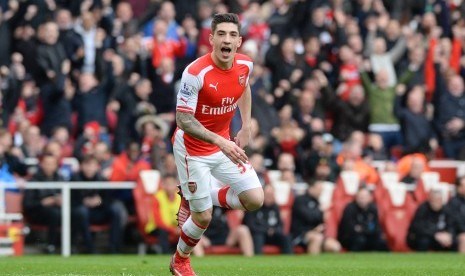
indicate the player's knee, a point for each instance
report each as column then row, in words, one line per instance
column 202, row 218
column 253, row 199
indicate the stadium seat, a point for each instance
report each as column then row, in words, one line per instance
column 398, row 216
column 147, row 184
column 326, row 195
column 446, row 169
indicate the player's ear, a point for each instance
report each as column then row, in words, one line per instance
column 210, row 39
column 239, row 42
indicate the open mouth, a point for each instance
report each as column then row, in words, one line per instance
column 225, row 50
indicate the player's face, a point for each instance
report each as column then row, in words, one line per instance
column 225, row 41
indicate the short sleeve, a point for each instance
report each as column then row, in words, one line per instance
column 188, row 93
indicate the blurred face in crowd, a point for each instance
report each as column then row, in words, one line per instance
column 363, row 198
column 87, row 81
column 393, row 29
column 101, row 151
column 160, row 28
column 415, row 99
column 455, row 85
column 170, row 185
column 49, row 165
column 435, row 200
column 317, row 125
column 316, row 189
column 288, row 47
column 417, row 55
column 118, row 65
column 50, row 33
column 357, row 95
column 6, row 140
column 379, row 46
column 417, row 168
column 143, row 89
column 286, row 162
column 54, row 148
column 355, row 43
column 428, row 21
column 64, row 19
column 345, row 54
column 268, row 191
column 318, row 17
column 306, row 102
column 124, row 12
column 167, row 11
column 61, row 135
column 285, row 114
column 32, row 135
column 88, row 21
column 133, row 151
column 205, row 10
column 90, row 167
column 382, row 79
column 312, row 46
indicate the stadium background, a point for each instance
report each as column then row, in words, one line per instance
column 100, row 77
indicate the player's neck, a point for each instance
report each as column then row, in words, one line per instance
column 221, row 65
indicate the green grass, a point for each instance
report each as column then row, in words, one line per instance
column 341, row 264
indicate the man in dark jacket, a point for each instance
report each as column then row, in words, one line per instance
column 359, row 229
column 449, row 119
column 307, row 226
column 350, row 115
column 266, row 225
column 97, row 206
column 432, row 226
column 56, row 98
column 456, row 206
column 43, row 206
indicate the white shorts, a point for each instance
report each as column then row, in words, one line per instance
column 197, row 173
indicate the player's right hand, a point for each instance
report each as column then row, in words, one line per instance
column 233, row 152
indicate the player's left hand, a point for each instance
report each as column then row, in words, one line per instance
column 243, row 137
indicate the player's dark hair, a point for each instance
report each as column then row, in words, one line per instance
column 225, row 18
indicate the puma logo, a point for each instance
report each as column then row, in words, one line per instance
column 214, row 86
column 183, row 100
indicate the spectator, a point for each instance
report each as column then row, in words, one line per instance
column 33, row 143
column 219, row 233
column 266, row 225
column 456, row 207
column 57, row 101
column 132, row 101
column 97, row 206
column 449, row 119
column 307, row 225
column 50, row 53
column 105, row 158
column 127, row 167
column 359, row 228
column 417, row 130
column 432, row 226
column 417, row 167
column 349, row 115
column 164, row 223
column 381, row 97
column 43, row 206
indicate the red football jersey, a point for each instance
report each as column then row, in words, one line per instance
column 211, row 94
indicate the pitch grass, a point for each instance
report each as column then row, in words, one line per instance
column 327, row 264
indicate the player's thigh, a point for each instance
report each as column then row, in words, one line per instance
column 240, row 177
column 194, row 175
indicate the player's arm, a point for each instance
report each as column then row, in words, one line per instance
column 245, row 107
column 191, row 126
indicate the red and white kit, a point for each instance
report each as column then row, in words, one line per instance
column 211, row 94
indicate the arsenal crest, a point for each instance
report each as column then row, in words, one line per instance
column 242, row 80
column 192, row 186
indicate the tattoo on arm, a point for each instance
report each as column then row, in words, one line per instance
column 193, row 127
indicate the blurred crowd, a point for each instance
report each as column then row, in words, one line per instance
column 337, row 84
